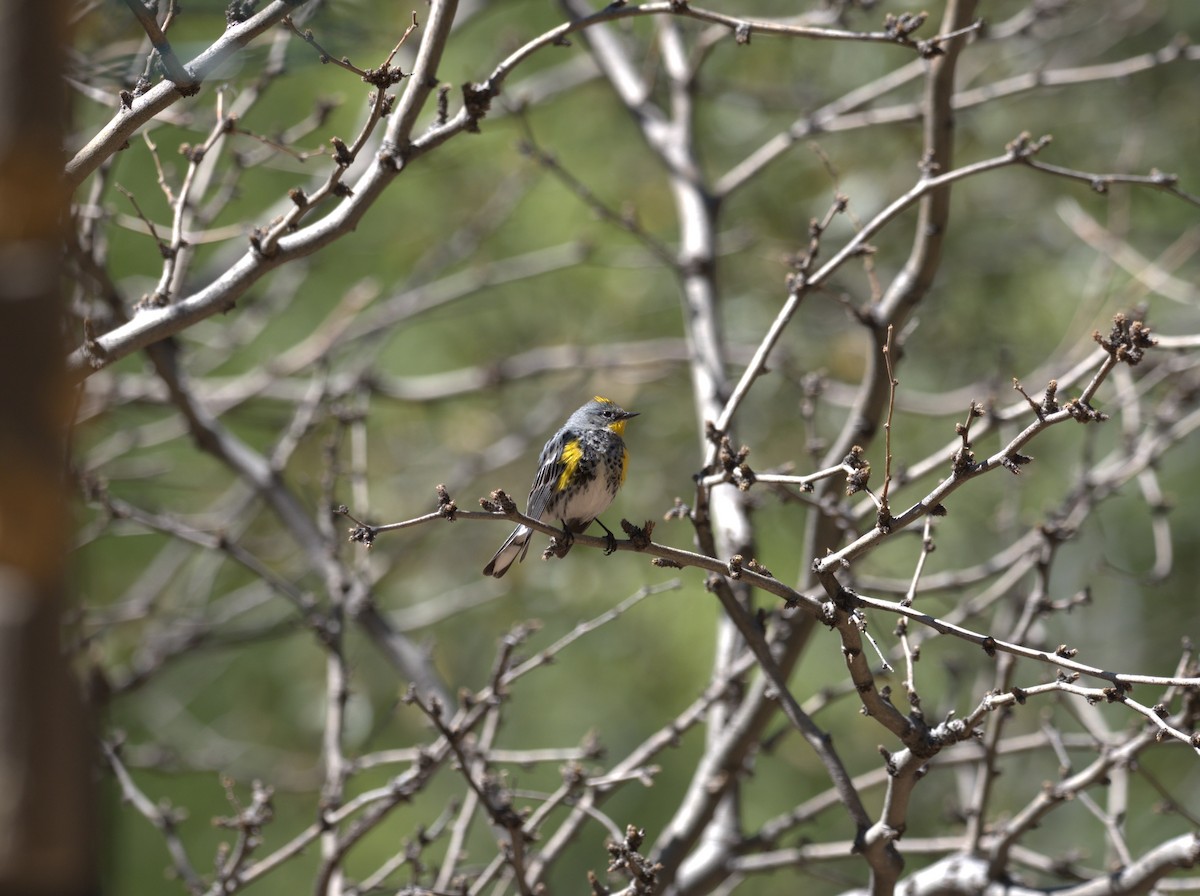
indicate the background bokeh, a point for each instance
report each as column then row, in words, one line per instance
column 479, row 258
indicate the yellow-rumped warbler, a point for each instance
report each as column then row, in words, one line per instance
column 579, row 473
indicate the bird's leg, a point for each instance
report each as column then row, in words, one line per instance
column 610, row 539
column 562, row 543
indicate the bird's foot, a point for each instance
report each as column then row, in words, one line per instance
column 610, row 540
column 560, row 544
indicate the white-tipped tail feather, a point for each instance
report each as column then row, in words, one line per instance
column 510, row 552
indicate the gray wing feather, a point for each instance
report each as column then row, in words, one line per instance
column 550, row 468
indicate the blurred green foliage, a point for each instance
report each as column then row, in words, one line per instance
column 1018, row 293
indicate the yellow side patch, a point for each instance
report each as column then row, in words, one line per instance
column 571, row 453
column 624, row 463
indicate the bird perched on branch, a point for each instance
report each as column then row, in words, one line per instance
column 579, row 473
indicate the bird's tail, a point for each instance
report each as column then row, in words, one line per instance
column 513, row 549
